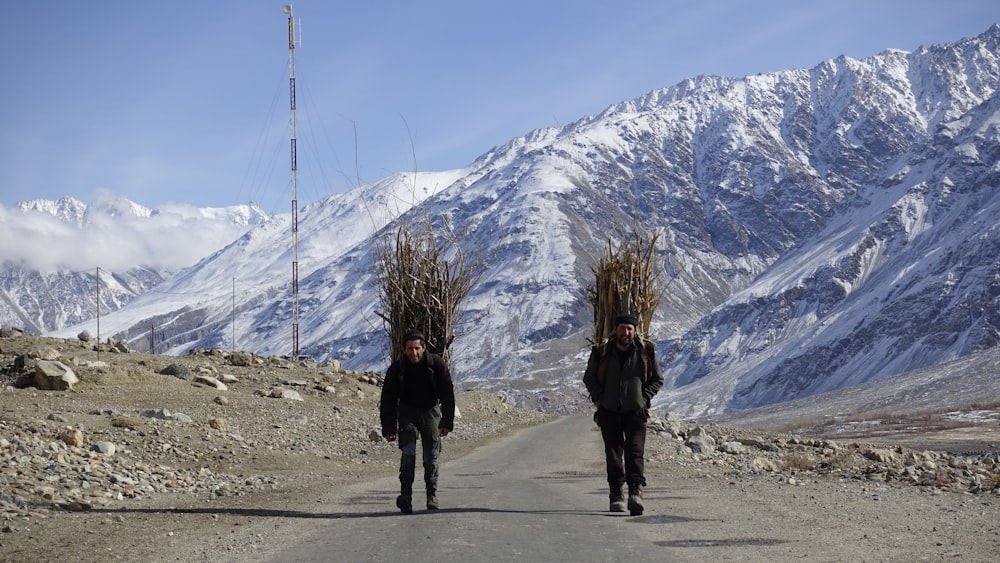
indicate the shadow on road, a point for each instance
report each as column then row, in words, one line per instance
column 270, row 513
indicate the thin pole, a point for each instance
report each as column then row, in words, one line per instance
column 295, row 186
column 98, row 313
column 234, row 314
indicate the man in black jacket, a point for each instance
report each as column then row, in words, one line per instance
column 418, row 398
column 622, row 376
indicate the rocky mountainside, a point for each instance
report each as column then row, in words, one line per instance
column 42, row 301
column 819, row 228
column 903, row 275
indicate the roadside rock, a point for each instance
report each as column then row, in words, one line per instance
column 51, row 375
column 742, row 453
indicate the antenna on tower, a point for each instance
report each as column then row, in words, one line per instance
column 295, row 188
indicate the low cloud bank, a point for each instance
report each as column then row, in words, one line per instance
column 175, row 237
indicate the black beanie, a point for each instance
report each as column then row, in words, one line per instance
column 627, row 319
column 413, row 335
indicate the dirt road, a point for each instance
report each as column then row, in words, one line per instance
column 523, row 498
column 540, row 496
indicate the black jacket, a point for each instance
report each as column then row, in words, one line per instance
column 623, row 381
column 421, row 385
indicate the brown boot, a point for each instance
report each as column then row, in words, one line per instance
column 635, row 506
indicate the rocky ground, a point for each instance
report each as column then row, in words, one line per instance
column 140, row 457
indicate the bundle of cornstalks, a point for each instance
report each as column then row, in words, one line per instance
column 420, row 290
column 625, row 282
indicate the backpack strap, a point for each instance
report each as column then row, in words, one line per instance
column 648, row 359
column 601, row 350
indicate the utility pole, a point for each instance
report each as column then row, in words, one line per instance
column 295, row 187
column 98, row 313
column 234, row 315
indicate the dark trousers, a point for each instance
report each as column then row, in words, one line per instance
column 624, row 437
column 422, row 424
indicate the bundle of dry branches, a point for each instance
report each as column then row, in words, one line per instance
column 625, row 281
column 420, row 290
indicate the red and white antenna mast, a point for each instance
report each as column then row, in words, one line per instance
column 295, row 185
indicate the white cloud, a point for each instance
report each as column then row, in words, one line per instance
column 174, row 238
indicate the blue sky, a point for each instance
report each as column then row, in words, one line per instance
column 187, row 102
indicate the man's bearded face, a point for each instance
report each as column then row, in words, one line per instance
column 414, row 350
column 624, row 334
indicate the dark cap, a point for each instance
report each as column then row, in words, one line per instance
column 627, row 319
column 413, row 335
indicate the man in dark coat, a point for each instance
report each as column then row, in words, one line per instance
column 622, row 377
column 418, row 399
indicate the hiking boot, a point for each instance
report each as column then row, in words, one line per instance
column 617, row 499
column 432, row 502
column 635, row 506
column 405, row 504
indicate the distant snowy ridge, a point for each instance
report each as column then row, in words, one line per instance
column 54, row 252
column 820, row 228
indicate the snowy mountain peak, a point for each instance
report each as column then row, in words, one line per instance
column 108, row 204
column 66, row 209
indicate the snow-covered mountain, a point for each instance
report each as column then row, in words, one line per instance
column 52, row 254
column 820, row 228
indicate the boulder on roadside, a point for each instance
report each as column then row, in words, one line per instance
column 180, row 371
column 700, row 441
column 47, row 353
column 211, row 382
column 54, row 376
column 241, row 359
